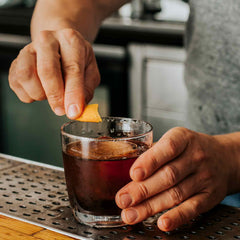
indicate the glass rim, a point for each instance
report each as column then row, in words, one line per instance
column 63, row 132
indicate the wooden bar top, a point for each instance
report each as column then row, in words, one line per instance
column 12, row 229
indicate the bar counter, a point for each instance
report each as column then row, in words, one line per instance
column 34, row 205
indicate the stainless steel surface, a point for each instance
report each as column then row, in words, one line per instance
column 9, row 3
column 37, row 193
column 157, row 90
column 109, row 51
column 146, row 26
column 11, row 40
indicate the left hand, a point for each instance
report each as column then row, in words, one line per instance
column 186, row 171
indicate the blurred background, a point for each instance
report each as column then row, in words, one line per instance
column 140, row 54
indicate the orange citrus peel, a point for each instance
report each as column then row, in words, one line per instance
column 90, row 114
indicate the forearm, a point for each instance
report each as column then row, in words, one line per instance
column 231, row 152
column 84, row 16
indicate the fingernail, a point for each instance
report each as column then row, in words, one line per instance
column 138, row 174
column 73, row 111
column 125, row 200
column 130, row 215
column 164, row 223
column 59, row 111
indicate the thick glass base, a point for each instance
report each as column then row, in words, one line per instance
column 99, row 221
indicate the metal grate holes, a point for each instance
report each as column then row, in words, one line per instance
column 38, row 194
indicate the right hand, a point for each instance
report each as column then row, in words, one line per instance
column 186, row 173
column 59, row 66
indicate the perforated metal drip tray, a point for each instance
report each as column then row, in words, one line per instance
column 37, row 193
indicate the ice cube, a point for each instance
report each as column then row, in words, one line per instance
column 112, row 150
column 78, row 149
column 103, row 150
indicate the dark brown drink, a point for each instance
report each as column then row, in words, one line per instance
column 93, row 177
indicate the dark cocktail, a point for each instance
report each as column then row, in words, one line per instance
column 97, row 160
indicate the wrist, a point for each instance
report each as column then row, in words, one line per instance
column 230, row 153
column 63, row 23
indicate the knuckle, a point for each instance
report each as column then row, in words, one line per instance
column 148, row 208
column 40, row 97
column 24, row 73
column 206, row 175
column 72, row 91
column 199, row 155
column 73, row 69
column 54, row 98
column 176, row 195
column 28, row 48
column 12, row 82
column 143, row 191
column 69, row 32
column 182, row 129
column 22, row 51
column 172, row 147
column 48, row 69
column 182, row 217
column 196, row 207
column 185, row 133
column 71, row 35
column 44, row 36
column 170, row 175
column 23, row 97
column 14, row 86
column 153, row 159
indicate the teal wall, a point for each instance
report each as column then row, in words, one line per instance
column 31, row 131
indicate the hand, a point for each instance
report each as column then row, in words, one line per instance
column 186, row 171
column 59, row 66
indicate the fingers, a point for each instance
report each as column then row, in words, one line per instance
column 162, row 201
column 73, row 65
column 165, row 178
column 75, row 53
column 27, row 73
column 49, row 70
column 23, row 78
column 15, row 86
column 20, row 92
column 92, row 78
column 186, row 211
column 170, row 146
